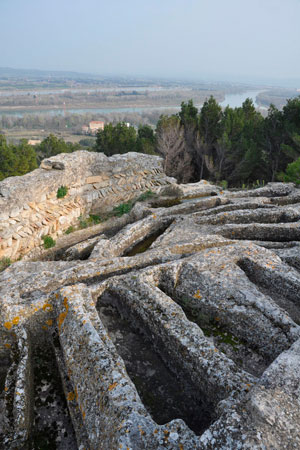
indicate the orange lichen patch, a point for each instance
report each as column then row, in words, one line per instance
column 217, row 319
column 113, row 386
column 83, row 414
column 47, row 306
column 70, row 396
column 154, row 216
column 155, row 431
column 6, row 388
column 142, row 432
column 180, row 447
column 8, row 325
column 197, row 294
column 7, row 345
column 56, row 295
column 63, row 315
column 49, row 322
column 16, row 320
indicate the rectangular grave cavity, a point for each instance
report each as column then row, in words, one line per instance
column 277, row 284
column 223, row 337
column 143, row 245
column 166, row 392
column 52, row 426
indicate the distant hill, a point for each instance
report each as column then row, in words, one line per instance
column 32, row 73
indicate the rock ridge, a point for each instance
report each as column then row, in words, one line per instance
column 180, row 330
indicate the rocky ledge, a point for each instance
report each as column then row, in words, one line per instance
column 178, row 330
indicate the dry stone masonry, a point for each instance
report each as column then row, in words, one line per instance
column 30, row 209
column 179, row 329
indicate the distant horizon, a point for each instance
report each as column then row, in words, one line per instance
column 204, row 78
column 255, row 42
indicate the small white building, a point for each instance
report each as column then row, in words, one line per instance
column 96, row 125
column 34, row 141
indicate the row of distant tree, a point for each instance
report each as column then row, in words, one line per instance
column 22, row 158
column 238, row 145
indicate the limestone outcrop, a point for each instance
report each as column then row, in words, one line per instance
column 30, row 209
column 180, row 329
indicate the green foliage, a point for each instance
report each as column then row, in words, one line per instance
column 238, row 145
column 70, row 230
column 292, row 173
column 94, row 219
column 223, row 184
column 87, row 142
column 123, row 208
column 16, row 159
column 4, row 263
column 49, row 242
column 23, row 158
column 145, row 196
column 62, row 191
column 52, row 146
column 117, row 138
column 120, row 138
column 82, row 222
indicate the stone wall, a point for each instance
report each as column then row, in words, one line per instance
column 30, row 209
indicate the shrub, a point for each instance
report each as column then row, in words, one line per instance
column 94, row 219
column 48, row 241
column 292, row 173
column 82, row 222
column 4, row 263
column 145, row 196
column 62, row 192
column 69, row 230
column 224, row 184
column 123, row 208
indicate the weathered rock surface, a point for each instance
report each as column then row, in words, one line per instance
column 30, row 209
column 180, row 330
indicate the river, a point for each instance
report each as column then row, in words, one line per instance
column 233, row 100
column 236, row 100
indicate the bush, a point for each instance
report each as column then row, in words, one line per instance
column 62, row 192
column 145, row 196
column 292, row 173
column 94, row 219
column 4, row 263
column 48, row 241
column 69, row 230
column 123, row 208
column 82, row 222
column 223, row 184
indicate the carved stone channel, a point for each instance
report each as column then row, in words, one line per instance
column 166, row 394
column 191, row 341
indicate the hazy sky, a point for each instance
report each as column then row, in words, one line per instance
column 191, row 38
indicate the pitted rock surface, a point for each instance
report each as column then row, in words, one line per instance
column 179, row 331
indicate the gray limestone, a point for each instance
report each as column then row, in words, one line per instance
column 179, row 330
